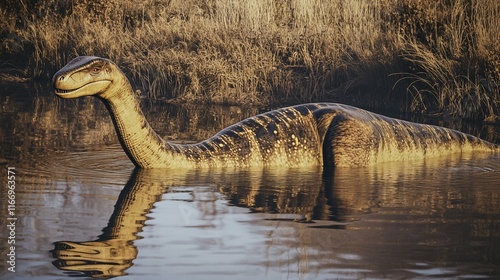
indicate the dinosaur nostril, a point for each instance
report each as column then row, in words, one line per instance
column 61, row 78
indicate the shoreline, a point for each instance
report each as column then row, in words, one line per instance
column 413, row 57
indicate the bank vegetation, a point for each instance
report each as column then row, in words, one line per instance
column 433, row 56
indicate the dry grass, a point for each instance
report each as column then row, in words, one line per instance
column 420, row 55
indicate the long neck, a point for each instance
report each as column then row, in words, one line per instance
column 141, row 143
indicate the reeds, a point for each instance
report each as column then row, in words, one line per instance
column 416, row 55
column 454, row 68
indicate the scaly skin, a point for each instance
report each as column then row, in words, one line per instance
column 304, row 135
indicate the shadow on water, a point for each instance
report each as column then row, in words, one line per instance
column 435, row 218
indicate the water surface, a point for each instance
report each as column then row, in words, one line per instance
column 83, row 210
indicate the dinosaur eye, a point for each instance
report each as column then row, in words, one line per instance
column 96, row 70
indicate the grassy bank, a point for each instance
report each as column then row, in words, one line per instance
column 415, row 55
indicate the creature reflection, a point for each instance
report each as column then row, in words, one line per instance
column 377, row 206
column 114, row 251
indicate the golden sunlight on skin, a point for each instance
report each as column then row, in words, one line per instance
column 328, row 134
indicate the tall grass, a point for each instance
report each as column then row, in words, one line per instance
column 415, row 55
column 455, row 64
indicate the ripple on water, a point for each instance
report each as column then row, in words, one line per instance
column 109, row 164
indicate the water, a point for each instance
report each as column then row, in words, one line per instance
column 83, row 210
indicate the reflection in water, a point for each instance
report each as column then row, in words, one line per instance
column 114, row 251
column 431, row 219
column 394, row 220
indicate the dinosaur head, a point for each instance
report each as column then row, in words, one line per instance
column 86, row 75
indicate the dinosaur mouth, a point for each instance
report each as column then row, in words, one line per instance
column 87, row 89
column 64, row 91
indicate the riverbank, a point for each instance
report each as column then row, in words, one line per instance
column 419, row 56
